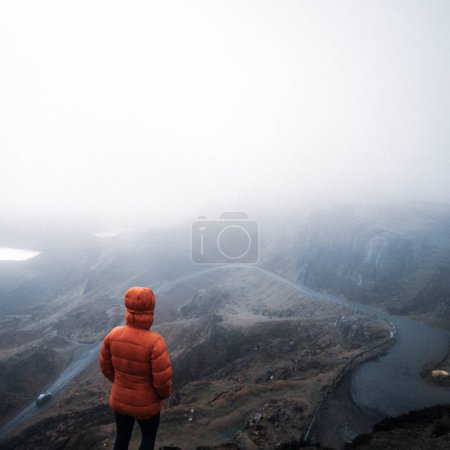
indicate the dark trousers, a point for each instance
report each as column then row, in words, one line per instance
column 124, row 428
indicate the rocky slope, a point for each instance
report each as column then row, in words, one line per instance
column 425, row 429
column 397, row 256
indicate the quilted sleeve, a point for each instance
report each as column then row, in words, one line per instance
column 161, row 368
column 105, row 360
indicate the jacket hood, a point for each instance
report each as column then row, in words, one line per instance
column 140, row 304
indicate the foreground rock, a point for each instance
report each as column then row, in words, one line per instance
column 425, row 429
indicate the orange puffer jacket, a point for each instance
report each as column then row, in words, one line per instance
column 136, row 360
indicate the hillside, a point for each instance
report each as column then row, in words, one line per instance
column 54, row 304
column 252, row 358
column 252, row 355
column 428, row 428
column 393, row 256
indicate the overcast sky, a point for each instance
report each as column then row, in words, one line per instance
column 169, row 108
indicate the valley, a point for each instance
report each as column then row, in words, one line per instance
column 254, row 349
column 252, row 358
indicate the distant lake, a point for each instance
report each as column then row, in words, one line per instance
column 16, row 254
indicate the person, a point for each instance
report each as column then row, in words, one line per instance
column 136, row 361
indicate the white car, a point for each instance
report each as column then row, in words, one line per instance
column 43, row 398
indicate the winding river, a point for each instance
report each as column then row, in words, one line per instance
column 388, row 386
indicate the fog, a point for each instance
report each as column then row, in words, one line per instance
column 166, row 110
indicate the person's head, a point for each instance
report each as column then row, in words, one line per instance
column 140, row 304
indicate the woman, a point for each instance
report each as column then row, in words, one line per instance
column 137, row 363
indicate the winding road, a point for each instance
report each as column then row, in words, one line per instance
column 390, row 385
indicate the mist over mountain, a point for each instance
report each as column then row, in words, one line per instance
column 240, row 340
column 397, row 256
column 225, row 106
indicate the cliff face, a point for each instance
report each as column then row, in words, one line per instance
column 390, row 255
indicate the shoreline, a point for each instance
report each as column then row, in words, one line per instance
column 340, row 420
column 366, row 355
